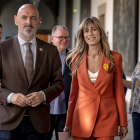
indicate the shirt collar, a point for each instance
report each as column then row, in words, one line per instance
column 22, row 42
column 63, row 53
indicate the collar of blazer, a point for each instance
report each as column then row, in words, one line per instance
column 18, row 59
column 66, row 67
column 83, row 71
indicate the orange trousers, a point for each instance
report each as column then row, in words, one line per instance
column 95, row 138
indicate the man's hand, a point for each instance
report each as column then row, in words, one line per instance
column 20, row 100
column 35, row 98
column 123, row 131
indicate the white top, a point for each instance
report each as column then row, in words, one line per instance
column 92, row 76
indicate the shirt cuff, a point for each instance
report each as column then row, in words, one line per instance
column 44, row 102
column 44, row 96
column 9, row 97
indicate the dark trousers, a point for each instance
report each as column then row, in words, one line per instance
column 24, row 131
column 136, row 125
column 57, row 124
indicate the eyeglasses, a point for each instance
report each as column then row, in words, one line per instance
column 62, row 37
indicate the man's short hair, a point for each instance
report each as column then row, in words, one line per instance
column 62, row 27
column 1, row 25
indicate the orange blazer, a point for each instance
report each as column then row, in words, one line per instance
column 97, row 108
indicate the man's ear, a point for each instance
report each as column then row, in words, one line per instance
column 40, row 21
column 15, row 18
column 51, row 39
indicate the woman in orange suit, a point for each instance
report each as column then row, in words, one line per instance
column 97, row 102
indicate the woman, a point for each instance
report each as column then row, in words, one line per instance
column 134, row 107
column 97, row 102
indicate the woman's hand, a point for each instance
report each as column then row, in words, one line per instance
column 123, row 131
column 67, row 129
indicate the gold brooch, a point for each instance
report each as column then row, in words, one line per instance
column 106, row 67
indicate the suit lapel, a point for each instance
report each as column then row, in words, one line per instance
column 66, row 67
column 39, row 57
column 102, row 71
column 83, row 74
column 15, row 48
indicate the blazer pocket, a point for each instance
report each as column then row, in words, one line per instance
column 82, row 94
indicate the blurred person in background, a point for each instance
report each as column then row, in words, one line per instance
column 97, row 98
column 58, row 111
column 0, row 39
column 125, row 89
column 0, row 31
column 134, row 106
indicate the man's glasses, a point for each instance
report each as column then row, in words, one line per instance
column 62, row 37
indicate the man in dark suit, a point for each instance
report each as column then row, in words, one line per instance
column 60, row 38
column 27, row 66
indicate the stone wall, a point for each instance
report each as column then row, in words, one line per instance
column 125, row 32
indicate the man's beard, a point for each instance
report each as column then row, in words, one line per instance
column 29, row 34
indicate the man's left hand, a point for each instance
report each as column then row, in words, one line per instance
column 36, row 98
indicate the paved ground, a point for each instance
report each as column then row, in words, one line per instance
column 53, row 138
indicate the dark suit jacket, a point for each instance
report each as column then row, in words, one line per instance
column 13, row 78
column 67, row 80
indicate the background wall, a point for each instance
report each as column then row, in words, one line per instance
column 75, row 20
column 126, row 36
column 108, row 16
column 126, row 32
column 48, row 21
column 62, row 12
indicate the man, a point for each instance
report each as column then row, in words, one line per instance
column 60, row 38
column 27, row 66
column 0, row 31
